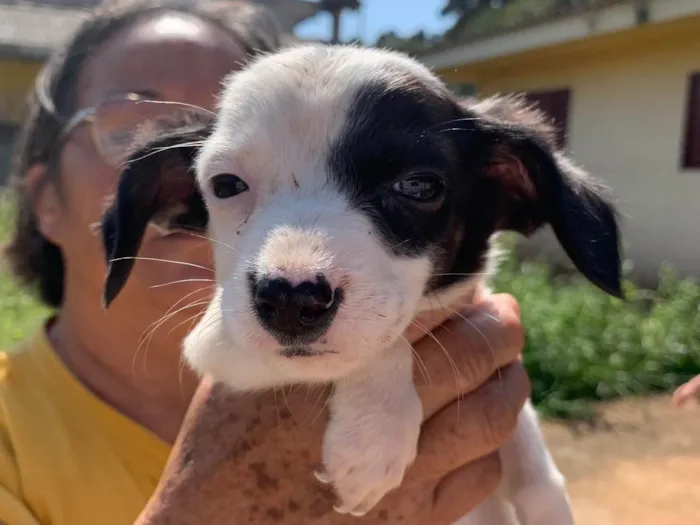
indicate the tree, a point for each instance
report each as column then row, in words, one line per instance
column 465, row 8
column 412, row 44
column 335, row 8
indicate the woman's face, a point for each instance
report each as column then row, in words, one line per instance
column 173, row 57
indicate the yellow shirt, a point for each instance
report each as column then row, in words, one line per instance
column 67, row 458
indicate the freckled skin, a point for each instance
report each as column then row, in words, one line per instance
column 225, row 456
column 208, row 477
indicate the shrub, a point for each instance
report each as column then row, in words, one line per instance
column 20, row 314
column 583, row 345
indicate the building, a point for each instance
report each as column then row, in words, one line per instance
column 622, row 80
column 31, row 30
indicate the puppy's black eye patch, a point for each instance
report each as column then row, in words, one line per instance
column 227, row 185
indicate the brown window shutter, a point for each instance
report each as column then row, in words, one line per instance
column 556, row 105
column 691, row 155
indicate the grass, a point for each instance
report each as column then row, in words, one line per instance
column 582, row 346
column 20, row 314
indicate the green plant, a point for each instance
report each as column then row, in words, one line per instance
column 583, row 345
column 20, row 314
column 5, row 215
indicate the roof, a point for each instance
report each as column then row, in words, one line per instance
column 32, row 30
column 521, row 19
column 585, row 20
column 291, row 12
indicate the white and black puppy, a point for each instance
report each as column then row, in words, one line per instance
column 347, row 190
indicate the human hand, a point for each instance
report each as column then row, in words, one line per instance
column 250, row 458
column 686, row 392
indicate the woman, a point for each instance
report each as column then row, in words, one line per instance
column 90, row 408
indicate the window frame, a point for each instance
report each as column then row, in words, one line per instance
column 690, row 154
column 543, row 100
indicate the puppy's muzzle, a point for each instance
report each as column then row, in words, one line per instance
column 294, row 314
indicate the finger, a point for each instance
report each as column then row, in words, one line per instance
column 471, row 427
column 422, row 325
column 428, row 321
column 463, row 490
column 467, row 350
column 686, row 392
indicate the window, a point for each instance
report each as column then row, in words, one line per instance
column 556, row 105
column 691, row 150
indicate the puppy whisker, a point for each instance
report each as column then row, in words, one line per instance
column 419, row 361
column 169, row 316
column 453, row 121
column 451, row 361
column 155, row 259
column 155, row 151
column 149, row 332
column 325, row 404
column 400, row 243
column 178, row 104
column 476, row 329
column 213, row 240
column 191, row 319
column 174, row 305
column 181, row 281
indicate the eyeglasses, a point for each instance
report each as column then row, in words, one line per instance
column 117, row 123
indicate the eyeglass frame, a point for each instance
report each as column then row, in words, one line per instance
column 87, row 115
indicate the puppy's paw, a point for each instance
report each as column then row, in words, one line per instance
column 367, row 450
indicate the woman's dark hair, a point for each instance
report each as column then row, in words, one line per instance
column 35, row 261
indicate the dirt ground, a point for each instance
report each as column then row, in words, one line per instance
column 638, row 465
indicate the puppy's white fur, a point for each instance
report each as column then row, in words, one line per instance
column 276, row 121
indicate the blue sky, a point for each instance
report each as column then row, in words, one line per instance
column 405, row 17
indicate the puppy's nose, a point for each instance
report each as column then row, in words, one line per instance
column 303, row 312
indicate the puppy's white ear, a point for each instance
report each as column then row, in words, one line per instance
column 539, row 184
column 158, row 178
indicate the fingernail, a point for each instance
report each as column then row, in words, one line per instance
column 322, row 477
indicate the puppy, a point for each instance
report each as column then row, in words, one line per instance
column 346, row 191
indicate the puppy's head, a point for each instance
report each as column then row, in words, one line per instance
column 344, row 186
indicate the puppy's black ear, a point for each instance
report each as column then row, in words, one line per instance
column 157, row 185
column 537, row 184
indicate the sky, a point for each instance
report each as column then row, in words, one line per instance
column 405, row 17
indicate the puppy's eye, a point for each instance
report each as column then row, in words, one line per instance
column 420, row 187
column 226, row 185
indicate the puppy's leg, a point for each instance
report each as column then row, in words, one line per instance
column 372, row 435
column 531, row 480
column 532, row 491
column 495, row 510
